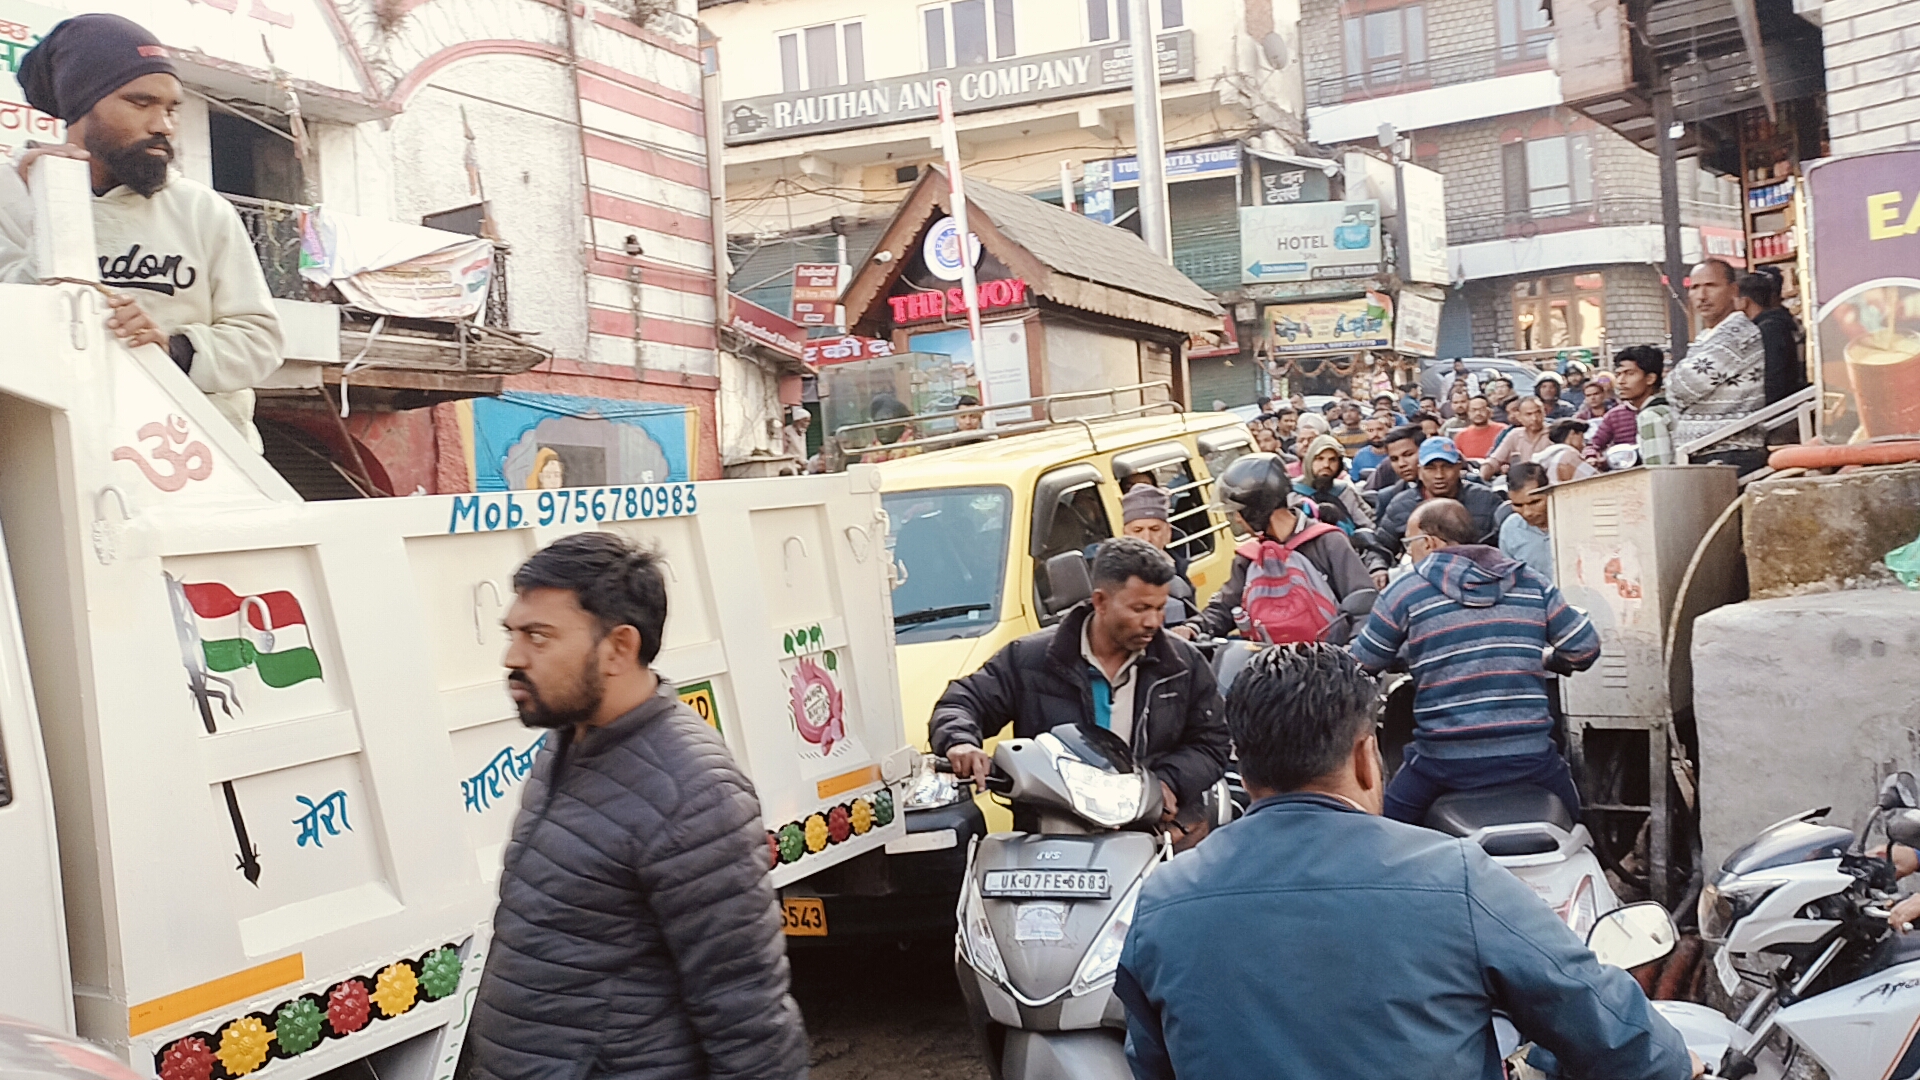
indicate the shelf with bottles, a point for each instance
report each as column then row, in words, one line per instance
column 1774, row 247
column 1770, row 194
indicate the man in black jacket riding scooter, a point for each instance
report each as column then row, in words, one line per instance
column 1107, row 664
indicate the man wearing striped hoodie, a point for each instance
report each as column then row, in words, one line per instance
column 1474, row 626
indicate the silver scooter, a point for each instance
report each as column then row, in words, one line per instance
column 1043, row 914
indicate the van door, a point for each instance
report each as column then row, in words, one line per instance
column 33, row 929
column 1068, row 515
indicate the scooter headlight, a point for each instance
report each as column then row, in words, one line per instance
column 1110, row 799
column 976, row 934
column 930, row 790
column 1103, row 958
column 1725, row 902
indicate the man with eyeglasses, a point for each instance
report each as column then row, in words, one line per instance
column 1475, row 628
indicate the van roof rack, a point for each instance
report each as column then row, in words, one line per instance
column 851, row 440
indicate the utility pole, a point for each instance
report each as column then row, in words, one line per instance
column 1677, row 314
column 1149, row 145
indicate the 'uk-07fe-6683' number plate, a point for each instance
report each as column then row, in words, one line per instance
column 1046, row 884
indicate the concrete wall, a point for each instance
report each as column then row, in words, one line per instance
column 1803, row 702
column 1873, row 73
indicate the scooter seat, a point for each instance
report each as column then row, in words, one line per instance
column 1463, row 813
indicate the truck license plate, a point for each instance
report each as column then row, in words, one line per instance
column 803, row 916
column 1046, row 884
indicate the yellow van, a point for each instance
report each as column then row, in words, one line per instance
column 971, row 530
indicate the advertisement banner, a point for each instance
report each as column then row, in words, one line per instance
column 1330, row 326
column 1091, row 69
column 1096, row 187
column 22, row 25
column 1417, row 329
column 1309, row 241
column 1423, row 216
column 1865, row 216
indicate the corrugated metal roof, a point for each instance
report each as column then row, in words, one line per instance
column 1082, row 248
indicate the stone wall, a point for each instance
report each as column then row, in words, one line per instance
column 1873, row 73
column 1636, row 306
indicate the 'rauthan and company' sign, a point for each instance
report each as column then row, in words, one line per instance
column 1090, row 70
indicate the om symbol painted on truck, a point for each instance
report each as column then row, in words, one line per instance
column 192, row 461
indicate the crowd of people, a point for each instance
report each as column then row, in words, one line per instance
column 1369, row 465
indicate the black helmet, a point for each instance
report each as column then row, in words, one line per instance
column 1254, row 486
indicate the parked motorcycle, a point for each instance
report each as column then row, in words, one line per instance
column 1043, row 915
column 1800, row 913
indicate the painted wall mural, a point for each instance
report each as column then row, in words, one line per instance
column 527, row 441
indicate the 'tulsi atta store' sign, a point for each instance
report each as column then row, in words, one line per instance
column 1092, row 69
column 923, row 306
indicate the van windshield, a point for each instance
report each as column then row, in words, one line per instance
column 950, row 553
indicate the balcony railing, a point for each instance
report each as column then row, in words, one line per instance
column 275, row 230
column 1400, row 78
column 1501, row 224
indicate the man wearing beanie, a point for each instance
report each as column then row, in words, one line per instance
column 1145, row 513
column 174, row 252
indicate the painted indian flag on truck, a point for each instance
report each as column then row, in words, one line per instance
column 263, row 631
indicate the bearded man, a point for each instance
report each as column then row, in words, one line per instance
column 177, row 255
column 637, row 934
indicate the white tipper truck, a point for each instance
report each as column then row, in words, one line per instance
column 257, row 762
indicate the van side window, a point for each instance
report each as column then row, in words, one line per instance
column 1079, row 522
column 1192, row 528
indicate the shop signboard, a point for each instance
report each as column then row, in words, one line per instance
column 1309, row 241
column 816, row 291
column 1417, row 329
column 1322, row 327
column 932, row 304
column 1194, row 163
column 1865, row 213
column 1091, row 69
column 1423, row 226
column 768, row 327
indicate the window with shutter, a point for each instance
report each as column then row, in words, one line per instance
column 1513, row 169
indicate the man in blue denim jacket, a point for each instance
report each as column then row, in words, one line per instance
column 1315, row 938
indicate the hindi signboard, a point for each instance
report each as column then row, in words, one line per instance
column 22, row 25
column 1309, row 241
column 1091, row 69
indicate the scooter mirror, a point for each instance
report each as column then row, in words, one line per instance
column 1903, row 826
column 1898, row 791
column 1633, row 935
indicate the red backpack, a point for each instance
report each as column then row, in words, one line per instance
column 1287, row 598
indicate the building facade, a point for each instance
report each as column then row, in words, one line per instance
column 572, row 136
column 829, row 124
column 1553, row 220
column 1873, row 72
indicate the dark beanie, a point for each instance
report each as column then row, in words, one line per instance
column 86, row 58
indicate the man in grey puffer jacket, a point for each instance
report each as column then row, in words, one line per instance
column 636, row 935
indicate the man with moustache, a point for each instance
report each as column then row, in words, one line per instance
column 181, row 263
column 636, row 933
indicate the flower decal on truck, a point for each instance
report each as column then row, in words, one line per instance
column 819, row 709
